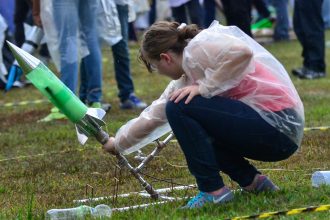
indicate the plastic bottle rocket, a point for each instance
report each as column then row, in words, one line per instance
column 88, row 121
column 31, row 43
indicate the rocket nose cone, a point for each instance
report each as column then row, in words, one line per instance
column 25, row 60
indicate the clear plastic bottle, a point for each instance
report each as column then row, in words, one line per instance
column 79, row 212
column 321, row 178
column 101, row 211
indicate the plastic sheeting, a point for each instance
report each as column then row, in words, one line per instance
column 150, row 125
column 108, row 22
column 225, row 61
column 3, row 27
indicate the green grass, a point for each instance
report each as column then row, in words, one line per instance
column 42, row 166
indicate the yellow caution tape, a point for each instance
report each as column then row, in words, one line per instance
column 319, row 208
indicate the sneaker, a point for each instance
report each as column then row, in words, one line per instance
column 262, row 23
column 96, row 105
column 133, row 102
column 105, row 106
column 298, row 72
column 321, row 74
column 55, row 114
column 202, row 198
column 264, row 184
column 305, row 73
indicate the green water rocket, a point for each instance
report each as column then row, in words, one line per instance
column 88, row 121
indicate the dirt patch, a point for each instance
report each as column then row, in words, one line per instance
column 22, row 118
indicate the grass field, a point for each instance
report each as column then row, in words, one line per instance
column 42, row 165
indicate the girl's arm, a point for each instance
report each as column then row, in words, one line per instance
column 142, row 129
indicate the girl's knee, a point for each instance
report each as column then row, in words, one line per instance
column 172, row 109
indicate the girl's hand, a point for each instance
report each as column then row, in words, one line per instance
column 179, row 94
column 110, row 146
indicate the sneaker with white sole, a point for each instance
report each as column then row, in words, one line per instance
column 133, row 102
column 202, row 198
column 263, row 184
column 105, row 106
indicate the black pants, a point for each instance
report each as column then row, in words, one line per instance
column 218, row 134
column 261, row 8
column 194, row 10
column 309, row 28
column 22, row 14
column 238, row 13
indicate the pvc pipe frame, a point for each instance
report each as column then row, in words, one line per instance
column 165, row 199
column 135, row 171
column 149, row 191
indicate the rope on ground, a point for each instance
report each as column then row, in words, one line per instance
column 322, row 128
column 28, row 102
column 46, row 154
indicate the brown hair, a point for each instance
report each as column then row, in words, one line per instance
column 163, row 36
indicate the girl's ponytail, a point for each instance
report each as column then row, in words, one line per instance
column 186, row 32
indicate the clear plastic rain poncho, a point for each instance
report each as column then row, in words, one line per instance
column 3, row 27
column 224, row 61
column 108, row 27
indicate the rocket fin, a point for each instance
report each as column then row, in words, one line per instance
column 82, row 138
column 97, row 115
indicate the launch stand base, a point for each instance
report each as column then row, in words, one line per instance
column 136, row 171
column 149, row 191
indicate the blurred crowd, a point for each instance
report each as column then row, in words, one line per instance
column 71, row 33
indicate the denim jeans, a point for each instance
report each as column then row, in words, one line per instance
column 153, row 12
column 69, row 17
column 281, row 31
column 326, row 13
column 217, row 134
column 309, row 28
column 121, row 57
column 90, row 84
column 195, row 13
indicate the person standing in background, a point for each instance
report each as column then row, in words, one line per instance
column 180, row 8
column 281, row 31
column 72, row 19
column 308, row 25
column 209, row 12
column 326, row 13
column 238, row 13
column 22, row 14
column 120, row 52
